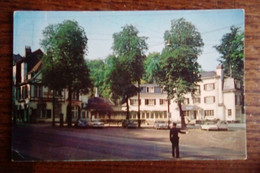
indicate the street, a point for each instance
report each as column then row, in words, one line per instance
column 43, row 142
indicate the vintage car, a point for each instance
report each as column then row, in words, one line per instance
column 220, row 125
column 129, row 124
column 160, row 125
column 82, row 123
column 97, row 124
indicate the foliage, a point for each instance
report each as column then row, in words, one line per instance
column 65, row 45
column 179, row 67
column 97, row 75
column 232, row 53
column 127, row 64
column 152, row 67
column 129, row 48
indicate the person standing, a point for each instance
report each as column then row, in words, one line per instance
column 174, row 138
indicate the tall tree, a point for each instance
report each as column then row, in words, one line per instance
column 65, row 44
column 129, row 48
column 120, row 82
column 179, row 67
column 232, row 57
column 50, row 75
column 231, row 49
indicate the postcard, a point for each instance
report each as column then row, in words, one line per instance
column 128, row 85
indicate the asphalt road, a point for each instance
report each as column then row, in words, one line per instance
column 43, row 142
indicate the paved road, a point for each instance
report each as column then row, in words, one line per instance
column 42, row 142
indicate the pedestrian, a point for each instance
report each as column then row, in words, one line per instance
column 174, row 138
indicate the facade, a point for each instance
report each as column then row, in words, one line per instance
column 216, row 98
column 32, row 102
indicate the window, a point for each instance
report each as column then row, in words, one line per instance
column 152, row 115
column 143, row 89
column 196, row 100
column 150, row 90
column 143, row 115
column 186, row 113
column 147, row 115
column 134, row 102
column 209, row 100
column 229, row 112
column 186, row 101
column 74, row 112
column 163, row 101
column 209, row 87
column 165, row 115
column 209, row 112
column 75, row 96
column 150, row 102
column 197, row 90
column 38, row 91
column 157, row 90
column 156, row 115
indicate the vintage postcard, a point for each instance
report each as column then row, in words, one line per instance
column 128, row 85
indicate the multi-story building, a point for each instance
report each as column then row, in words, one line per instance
column 216, row 97
column 32, row 101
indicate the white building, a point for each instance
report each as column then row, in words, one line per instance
column 216, row 98
column 32, row 101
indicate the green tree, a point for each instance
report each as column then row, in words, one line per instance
column 120, row 82
column 129, row 48
column 50, row 75
column 65, row 45
column 232, row 57
column 231, row 49
column 152, row 67
column 97, row 75
column 179, row 67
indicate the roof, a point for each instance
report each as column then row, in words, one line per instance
column 37, row 67
column 208, row 74
column 100, row 104
column 229, row 84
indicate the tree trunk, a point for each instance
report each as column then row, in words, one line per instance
column 168, row 112
column 79, row 113
column 183, row 125
column 138, row 114
column 69, row 107
column 127, row 109
column 53, row 108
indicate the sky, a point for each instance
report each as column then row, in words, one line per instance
column 100, row 26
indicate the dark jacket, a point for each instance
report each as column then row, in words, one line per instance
column 174, row 134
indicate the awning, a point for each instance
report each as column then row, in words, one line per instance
column 191, row 107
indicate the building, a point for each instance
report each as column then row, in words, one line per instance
column 33, row 102
column 216, row 97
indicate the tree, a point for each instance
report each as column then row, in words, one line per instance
column 97, row 75
column 152, row 67
column 232, row 53
column 120, row 82
column 179, row 67
column 51, row 73
column 232, row 57
column 65, row 45
column 129, row 48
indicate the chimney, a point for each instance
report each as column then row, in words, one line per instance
column 28, row 50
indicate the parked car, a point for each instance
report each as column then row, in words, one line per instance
column 97, row 124
column 160, row 125
column 82, row 123
column 129, row 124
column 220, row 125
